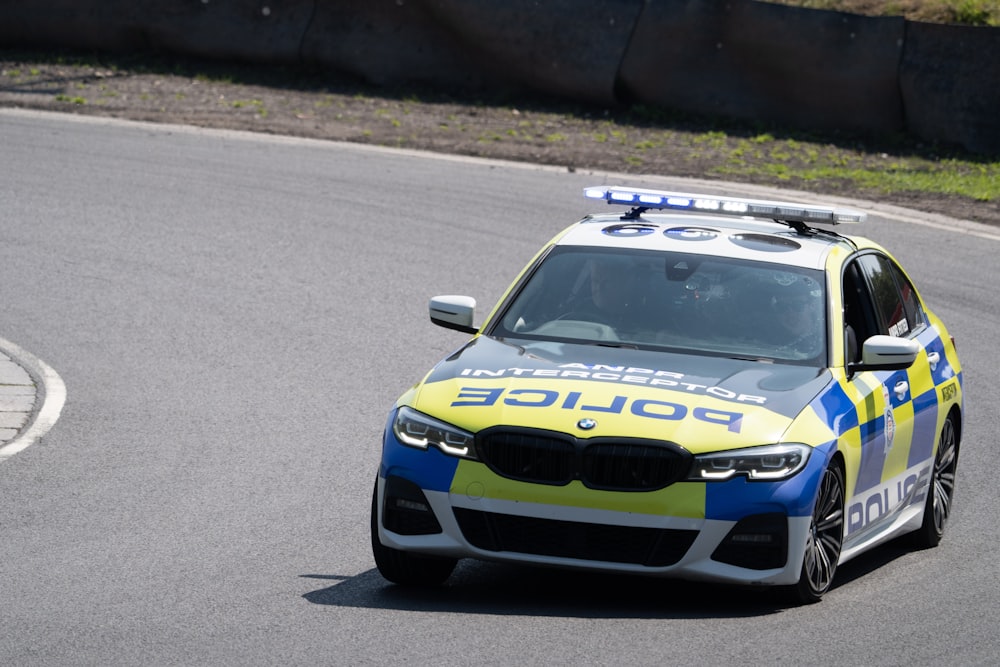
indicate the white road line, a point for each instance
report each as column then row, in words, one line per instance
column 49, row 389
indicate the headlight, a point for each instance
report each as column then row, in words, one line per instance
column 419, row 430
column 764, row 464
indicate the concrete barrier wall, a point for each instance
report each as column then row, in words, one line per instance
column 244, row 30
column 950, row 82
column 562, row 47
column 388, row 42
column 752, row 60
column 809, row 69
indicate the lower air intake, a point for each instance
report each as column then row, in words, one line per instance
column 651, row 547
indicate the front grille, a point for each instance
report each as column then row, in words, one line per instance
column 529, row 457
column 651, row 547
column 610, row 464
column 631, row 467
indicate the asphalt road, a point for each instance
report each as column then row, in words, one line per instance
column 232, row 317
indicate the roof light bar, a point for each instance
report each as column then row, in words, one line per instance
column 734, row 206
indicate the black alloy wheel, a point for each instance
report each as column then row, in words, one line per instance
column 941, row 492
column 826, row 536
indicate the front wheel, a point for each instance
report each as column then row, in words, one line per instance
column 941, row 493
column 404, row 568
column 826, row 536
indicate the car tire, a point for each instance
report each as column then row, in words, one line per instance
column 941, row 491
column 826, row 537
column 404, row 568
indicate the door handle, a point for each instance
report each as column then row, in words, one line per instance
column 900, row 389
column 933, row 358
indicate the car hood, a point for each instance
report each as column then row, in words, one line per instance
column 701, row 403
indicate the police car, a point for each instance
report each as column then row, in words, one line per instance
column 711, row 388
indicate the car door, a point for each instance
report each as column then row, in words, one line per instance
column 878, row 299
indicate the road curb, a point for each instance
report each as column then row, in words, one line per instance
column 34, row 394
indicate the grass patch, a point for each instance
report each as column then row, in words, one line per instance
column 877, row 172
column 963, row 12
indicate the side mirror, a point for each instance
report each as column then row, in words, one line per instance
column 454, row 312
column 886, row 353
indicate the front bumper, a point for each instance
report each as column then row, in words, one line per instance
column 734, row 532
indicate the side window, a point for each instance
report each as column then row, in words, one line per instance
column 859, row 316
column 897, row 315
column 911, row 304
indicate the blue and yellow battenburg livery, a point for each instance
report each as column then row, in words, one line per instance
column 747, row 398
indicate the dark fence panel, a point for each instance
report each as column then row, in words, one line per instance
column 758, row 61
column 247, row 30
column 561, row 47
column 744, row 59
column 950, row 81
column 566, row 48
column 115, row 25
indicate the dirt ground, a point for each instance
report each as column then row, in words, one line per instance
column 318, row 105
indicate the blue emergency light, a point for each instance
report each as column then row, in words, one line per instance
column 789, row 212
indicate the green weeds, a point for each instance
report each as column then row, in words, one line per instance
column 764, row 157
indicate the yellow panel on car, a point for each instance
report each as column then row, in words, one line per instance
column 475, row 480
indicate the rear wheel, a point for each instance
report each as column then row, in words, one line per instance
column 937, row 509
column 826, row 536
column 402, row 567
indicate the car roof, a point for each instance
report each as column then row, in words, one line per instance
column 749, row 240
column 735, row 233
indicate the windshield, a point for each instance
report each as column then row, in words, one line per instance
column 678, row 301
